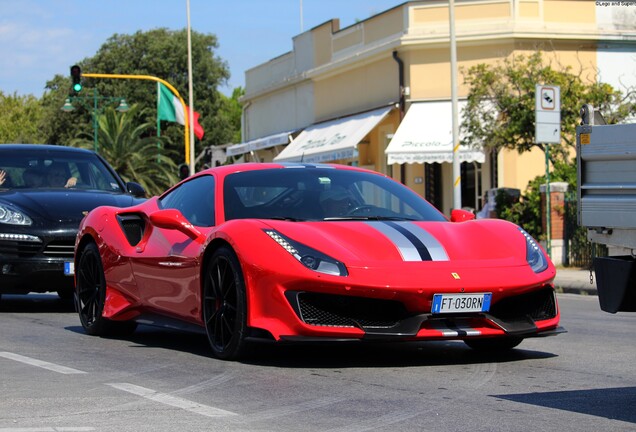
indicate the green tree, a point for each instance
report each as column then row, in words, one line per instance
column 500, row 110
column 161, row 53
column 20, row 119
column 126, row 143
column 500, row 114
column 229, row 114
column 57, row 126
column 527, row 211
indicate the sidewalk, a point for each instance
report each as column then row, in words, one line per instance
column 575, row 281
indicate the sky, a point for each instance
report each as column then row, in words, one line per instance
column 42, row 38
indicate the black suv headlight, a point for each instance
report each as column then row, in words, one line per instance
column 13, row 217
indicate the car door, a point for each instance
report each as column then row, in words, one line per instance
column 167, row 271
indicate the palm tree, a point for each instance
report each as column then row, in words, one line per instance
column 132, row 151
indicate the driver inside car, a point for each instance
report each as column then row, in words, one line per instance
column 337, row 202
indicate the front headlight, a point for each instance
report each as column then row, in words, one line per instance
column 13, row 217
column 534, row 254
column 309, row 257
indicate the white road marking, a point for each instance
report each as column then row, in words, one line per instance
column 174, row 401
column 41, row 364
column 48, row 429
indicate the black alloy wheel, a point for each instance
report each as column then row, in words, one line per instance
column 224, row 305
column 90, row 295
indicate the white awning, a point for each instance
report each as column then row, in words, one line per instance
column 259, row 144
column 425, row 135
column 332, row 140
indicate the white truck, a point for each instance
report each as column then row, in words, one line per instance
column 606, row 157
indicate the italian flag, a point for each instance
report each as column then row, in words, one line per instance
column 169, row 108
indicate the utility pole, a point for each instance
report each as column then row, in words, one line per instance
column 457, row 177
column 191, row 95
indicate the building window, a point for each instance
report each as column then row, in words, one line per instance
column 471, row 184
column 433, row 184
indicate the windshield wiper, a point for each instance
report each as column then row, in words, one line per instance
column 284, row 218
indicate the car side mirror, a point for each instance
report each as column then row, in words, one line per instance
column 173, row 219
column 461, row 215
column 136, row 190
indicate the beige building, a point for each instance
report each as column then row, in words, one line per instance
column 377, row 94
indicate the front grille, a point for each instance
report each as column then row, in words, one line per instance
column 60, row 249
column 345, row 311
column 21, row 249
column 538, row 305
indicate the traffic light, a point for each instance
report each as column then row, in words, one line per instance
column 184, row 171
column 76, row 77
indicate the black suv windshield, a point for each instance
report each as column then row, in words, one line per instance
column 45, row 169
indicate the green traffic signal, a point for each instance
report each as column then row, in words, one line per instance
column 76, row 77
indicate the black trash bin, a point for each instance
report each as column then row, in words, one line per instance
column 616, row 283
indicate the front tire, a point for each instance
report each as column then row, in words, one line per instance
column 224, row 305
column 493, row 343
column 90, row 296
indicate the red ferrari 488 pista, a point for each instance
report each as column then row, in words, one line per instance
column 301, row 252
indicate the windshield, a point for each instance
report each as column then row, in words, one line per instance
column 322, row 194
column 34, row 169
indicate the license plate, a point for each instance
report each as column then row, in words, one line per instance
column 69, row 268
column 451, row 303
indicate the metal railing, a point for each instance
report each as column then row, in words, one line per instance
column 579, row 251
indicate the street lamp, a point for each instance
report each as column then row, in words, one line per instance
column 123, row 106
column 86, row 102
column 68, row 106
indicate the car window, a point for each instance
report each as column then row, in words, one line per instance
column 35, row 169
column 194, row 199
column 96, row 176
column 372, row 195
column 321, row 194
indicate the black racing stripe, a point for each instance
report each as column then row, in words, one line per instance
column 419, row 246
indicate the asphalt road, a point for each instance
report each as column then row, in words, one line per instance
column 53, row 377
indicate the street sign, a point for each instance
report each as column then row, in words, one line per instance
column 547, row 114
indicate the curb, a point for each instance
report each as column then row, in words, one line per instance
column 575, row 281
column 576, row 290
